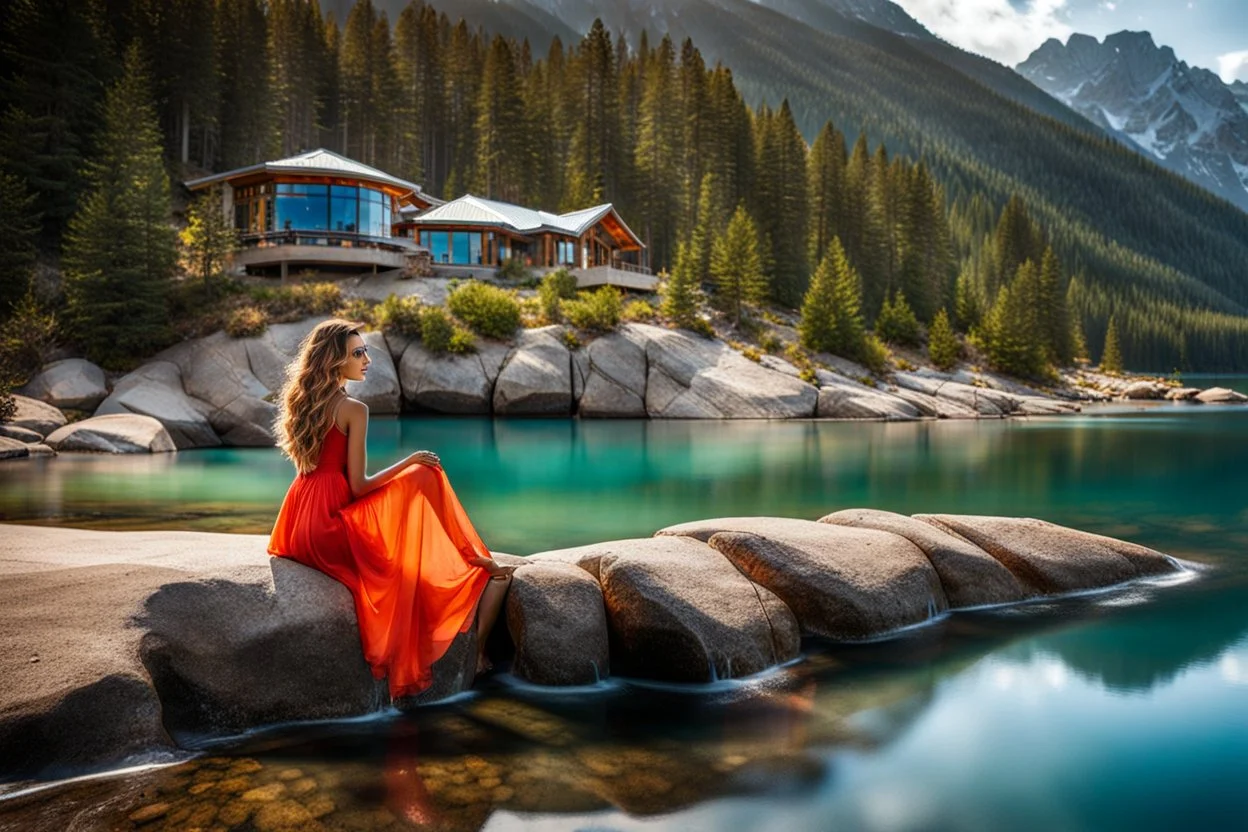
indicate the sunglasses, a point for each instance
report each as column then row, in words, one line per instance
column 359, row 352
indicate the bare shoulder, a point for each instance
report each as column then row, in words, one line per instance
column 353, row 409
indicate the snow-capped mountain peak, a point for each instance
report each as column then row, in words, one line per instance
column 1184, row 117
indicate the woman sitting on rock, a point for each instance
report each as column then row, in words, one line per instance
column 399, row 539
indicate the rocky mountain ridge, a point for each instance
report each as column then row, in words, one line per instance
column 1182, row 116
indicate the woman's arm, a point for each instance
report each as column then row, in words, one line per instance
column 355, row 414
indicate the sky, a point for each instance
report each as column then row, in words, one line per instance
column 1208, row 33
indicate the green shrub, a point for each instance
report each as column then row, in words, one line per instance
column 399, row 315
column 26, row 339
column 247, row 322
column 487, row 310
column 570, row 340
column 875, row 354
column 942, row 345
column 556, row 287
column 809, row 376
column 638, row 310
column 436, row 328
column 515, row 271
column 770, row 342
column 701, row 326
column 752, row 354
column 356, row 310
column 461, row 341
column 599, row 311
column 288, row 303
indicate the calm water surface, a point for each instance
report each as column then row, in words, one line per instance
column 1126, row 709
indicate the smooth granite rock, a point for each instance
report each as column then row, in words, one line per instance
column 693, row 378
column 678, row 611
column 13, row 448
column 1145, row 390
column 1050, row 559
column 113, row 434
column 840, row 582
column 73, row 383
column 25, row 435
column 217, row 371
column 844, row 398
column 969, row 576
column 155, row 390
column 558, row 622
column 615, row 385
column 1216, row 395
column 983, row 400
column 35, row 415
column 460, row 384
column 536, row 377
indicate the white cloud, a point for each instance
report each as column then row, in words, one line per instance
column 994, row 28
column 1233, row 66
column 1109, row 7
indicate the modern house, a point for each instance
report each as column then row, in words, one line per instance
column 325, row 211
column 317, row 209
column 474, row 233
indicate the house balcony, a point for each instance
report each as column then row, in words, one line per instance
column 334, row 249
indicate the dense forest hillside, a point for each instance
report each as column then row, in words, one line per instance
column 1167, row 253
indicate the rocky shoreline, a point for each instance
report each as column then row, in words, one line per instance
column 115, row 645
column 220, row 390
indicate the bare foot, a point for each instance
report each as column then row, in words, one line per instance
column 484, row 665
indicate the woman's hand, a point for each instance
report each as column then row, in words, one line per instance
column 493, row 567
column 424, row 458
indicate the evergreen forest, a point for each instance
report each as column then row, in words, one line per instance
column 872, row 171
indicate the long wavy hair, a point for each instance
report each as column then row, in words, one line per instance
column 304, row 414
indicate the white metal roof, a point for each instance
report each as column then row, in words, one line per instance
column 475, row 210
column 319, row 161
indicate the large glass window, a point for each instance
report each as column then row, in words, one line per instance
column 343, row 211
column 438, row 243
column 302, row 207
column 459, row 248
column 474, row 249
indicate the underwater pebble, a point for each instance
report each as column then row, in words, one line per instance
column 149, row 813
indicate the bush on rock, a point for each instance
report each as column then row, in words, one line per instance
column 487, row 310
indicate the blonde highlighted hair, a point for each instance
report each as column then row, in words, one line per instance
column 305, row 411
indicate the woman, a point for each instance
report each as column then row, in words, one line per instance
column 399, row 539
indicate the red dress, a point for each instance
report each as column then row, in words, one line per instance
column 401, row 549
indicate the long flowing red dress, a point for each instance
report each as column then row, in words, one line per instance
column 401, row 549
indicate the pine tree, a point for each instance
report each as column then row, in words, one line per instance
column 244, row 120
column 1010, row 334
column 817, row 325
column 709, row 223
column 896, row 323
column 1111, row 355
column 943, row 347
column 825, row 185
column 1054, row 317
column 120, row 251
column 1017, row 239
column 500, row 127
column 208, row 240
column 968, row 304
column 737, row 268
column 659, row 141
column 680, row 292
column 17, row 244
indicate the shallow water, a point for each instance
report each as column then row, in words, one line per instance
column 1124, row 709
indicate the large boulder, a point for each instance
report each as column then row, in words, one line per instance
column 983, row 400
column 843, row 398
column 1050, row 559
column 840, row 582
column 677, row 610
column 558, row 622
column 20, row 434
column 460, row 384
column 536, row 378
column 113, row 434
column 1145, row 390
column 1220, row 395
column 35, row 415
column 969, row 576
column 155, row 390
column 615, row 381
column 13, row 448
column 217, row 371
column 380, row 388
column 932, row 405
column 692, row 378
column 73, row 383
column 116, row 644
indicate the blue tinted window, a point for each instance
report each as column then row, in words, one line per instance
column 438, row 246
column 459, row 244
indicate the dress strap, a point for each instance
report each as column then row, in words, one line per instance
column 333, row 418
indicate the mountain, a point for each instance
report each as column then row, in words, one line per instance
column 1184, row 117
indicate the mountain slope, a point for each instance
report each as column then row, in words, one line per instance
column 1184, row 117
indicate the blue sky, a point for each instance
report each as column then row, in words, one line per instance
column 1208, row 33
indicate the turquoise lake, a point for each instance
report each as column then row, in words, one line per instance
column 1122, row 709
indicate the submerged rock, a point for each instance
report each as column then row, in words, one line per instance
column 1220, row 394
column 840, row 582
